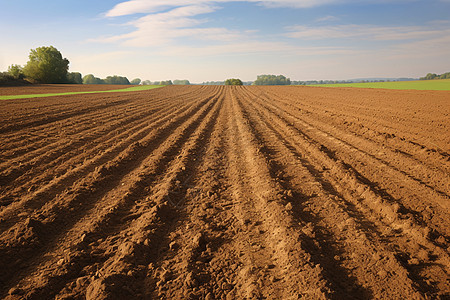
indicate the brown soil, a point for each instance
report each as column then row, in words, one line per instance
column 57, row 88
column 213, row 192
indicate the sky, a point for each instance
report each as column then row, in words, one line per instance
column 203, row 40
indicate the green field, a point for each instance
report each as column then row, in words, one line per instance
column 436, row 85
column 130, row 89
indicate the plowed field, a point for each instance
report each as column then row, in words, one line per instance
column 57, row 88
column 203, row 192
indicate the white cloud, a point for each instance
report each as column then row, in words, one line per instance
column 255, row 47
column 368, row 32
column 328, row 19
column 152, row 6
column 179, row 28
column 162, row 29
column 435, row 47
column 167, row 21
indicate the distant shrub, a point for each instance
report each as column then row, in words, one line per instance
column 7, row 79
column 135, row 81
column 116, row 80
column 233, row 81
column 91, row 79
column 181, row 82
column 431, row 76
column 272, row 80
column 74, row 78
column 16, row 71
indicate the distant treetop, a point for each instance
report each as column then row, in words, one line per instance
column 46, row 65
column 272, row 80
column 233, row 81
column 181, row 82
column 431, row 76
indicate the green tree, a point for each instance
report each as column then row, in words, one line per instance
column 165, row 82
column 116, row 80
column 74, row 77
column 91, row 79
column 233, row 81
column 46, row 65
column 135, row 81
column 146, row 82
column 181, row 82
column 272, row 80
column 445, row 76
column 429, row 76
column 16, row 71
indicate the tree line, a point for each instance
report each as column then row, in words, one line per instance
column 47, row 65
column 431, row 76
column 167, row 82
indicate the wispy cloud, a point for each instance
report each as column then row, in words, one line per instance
column 368, row 32
column 152, row 6
column 182, row 28
column 164, row 29
column 255, row 47
column 328, row 19
column 160, row 29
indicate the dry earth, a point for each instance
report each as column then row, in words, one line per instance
column 201, row 192
column 58, row 88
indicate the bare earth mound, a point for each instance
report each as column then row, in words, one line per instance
column 213, row 192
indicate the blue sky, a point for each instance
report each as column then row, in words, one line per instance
column 204, row 40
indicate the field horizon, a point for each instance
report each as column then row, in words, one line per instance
column 432, row 85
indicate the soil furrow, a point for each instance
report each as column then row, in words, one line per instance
column 63, row 183
column 214, row 192
column 80, row 155
column 404, row 248
column 54, row 153
column 58, row 117
column 372, row 178
column 345, row 119
column 73, row 125
column 153, row 218
column 124, row 189
column 437, row 184
column 263, row 202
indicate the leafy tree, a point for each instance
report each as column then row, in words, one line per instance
column 445, row 76
column 146, row 82
column 116, row 80
column 46, row 65
column 135, row 81
column 165, row 82
column 430, row 76
column 74, row 77
column 181, row 82
column 6, row 78
column 272, row 80
column 91, row 79
column 233, row 81
column 16, row 71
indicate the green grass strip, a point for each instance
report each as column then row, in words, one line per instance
column 434, row 85
column 130, row 89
